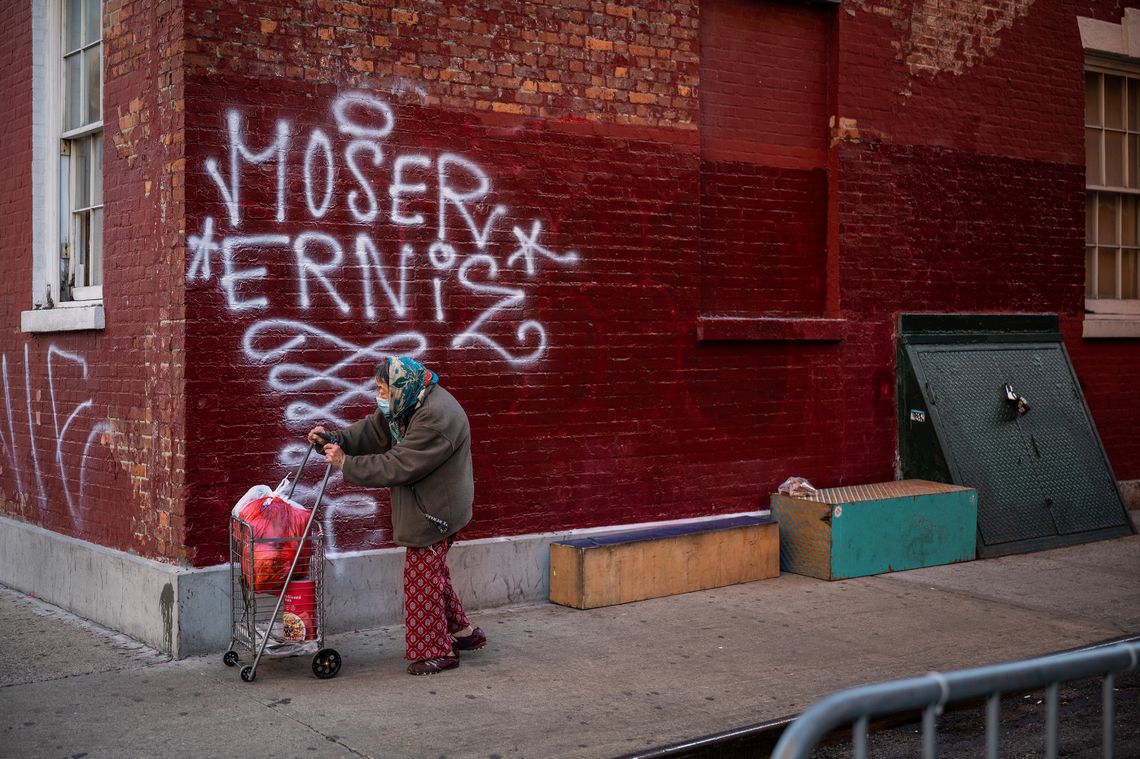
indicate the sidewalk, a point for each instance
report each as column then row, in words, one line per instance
column 555, row 681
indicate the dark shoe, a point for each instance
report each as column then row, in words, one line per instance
column 433, row 666
column 473, row 642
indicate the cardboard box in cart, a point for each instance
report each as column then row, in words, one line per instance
column 870, row 529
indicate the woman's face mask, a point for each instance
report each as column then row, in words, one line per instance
column 382, row 398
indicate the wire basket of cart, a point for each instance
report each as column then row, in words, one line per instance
column 277, row 566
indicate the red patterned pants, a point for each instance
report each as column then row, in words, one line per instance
column 431, row 609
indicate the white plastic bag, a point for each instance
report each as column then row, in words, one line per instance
column 797, row 487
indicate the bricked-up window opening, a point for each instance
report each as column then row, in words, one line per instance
column 764, row 101
column 81, row 150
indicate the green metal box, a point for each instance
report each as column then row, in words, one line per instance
column 992, row 402
column 869, row 529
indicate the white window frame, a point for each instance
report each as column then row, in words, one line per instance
column 51, row 190
column 1111, row 48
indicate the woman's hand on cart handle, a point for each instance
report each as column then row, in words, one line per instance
column 334, row 455
column 315, row 437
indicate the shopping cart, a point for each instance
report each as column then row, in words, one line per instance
column 280, row 617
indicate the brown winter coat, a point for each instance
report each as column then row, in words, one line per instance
column 431, row 466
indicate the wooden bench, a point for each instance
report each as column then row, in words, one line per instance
column 632, row 565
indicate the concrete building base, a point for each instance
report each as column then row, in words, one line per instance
column 1130, row 492
column 186, row 612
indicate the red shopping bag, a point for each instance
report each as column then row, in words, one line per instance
column 277, row 525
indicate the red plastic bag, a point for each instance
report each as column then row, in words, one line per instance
column 277, row 525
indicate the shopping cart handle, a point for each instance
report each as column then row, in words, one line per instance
column 297, row 476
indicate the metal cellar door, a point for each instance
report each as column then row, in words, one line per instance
column 1008, row 418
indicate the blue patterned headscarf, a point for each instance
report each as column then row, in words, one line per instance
column 409, row 382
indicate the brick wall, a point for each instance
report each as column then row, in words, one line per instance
column 941, row 189
column 604, row 62
column 541, row 200
column 91, row 421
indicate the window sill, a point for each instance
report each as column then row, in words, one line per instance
column 773, row 328
column 1111, row 326
column 63, row 319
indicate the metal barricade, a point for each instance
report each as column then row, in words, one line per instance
column 930, row 693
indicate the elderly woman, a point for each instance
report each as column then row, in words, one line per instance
column 418, row 444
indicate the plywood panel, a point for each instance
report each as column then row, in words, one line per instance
column 589, row 576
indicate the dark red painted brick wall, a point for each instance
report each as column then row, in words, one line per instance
column 976, row 108
column 90, row 422
column 623, row 181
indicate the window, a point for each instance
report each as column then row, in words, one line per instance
column 67, row 90
column 81, row 146
column 1112, row 177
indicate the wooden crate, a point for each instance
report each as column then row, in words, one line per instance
column 624, row 566
column 870, row 529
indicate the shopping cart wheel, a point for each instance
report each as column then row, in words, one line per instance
column 231, row 658
column 247, row 673
column 326, row 663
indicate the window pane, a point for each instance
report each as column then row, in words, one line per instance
column 1128, row 274
column 1133, row 160
column 1114, row 102
column 1128, row 220
column 1106, row 272
column 1092, row 99
column 80, row 237
column 72, row 25
column 97, row 170
column 73, row 113
column 1090, row 257
column 94, row 21
column 1114, row 159
column 80, row 174
column 1134, row 105
column 1090, row 218
column 1106, row 220
column 1093, row 173
column 95, row 276
column 94, row 84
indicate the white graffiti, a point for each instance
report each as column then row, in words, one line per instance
column 272, row 341
column 32, row 437
column 529, row 248
column 423, row 227
column 231, row 192
column 333, row 509
column 465, row 225
column 60, row 434
column 9, row 441
column 72, row 475
column 509, row 297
